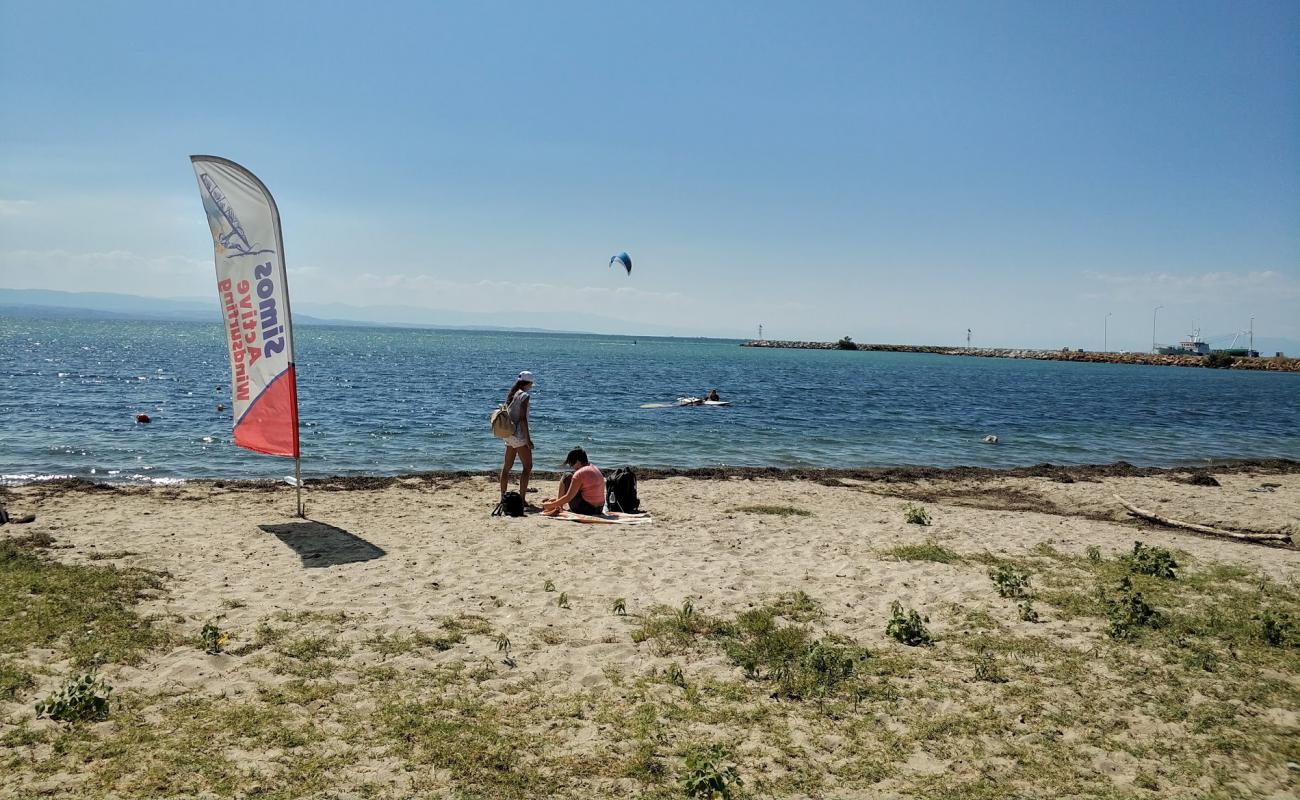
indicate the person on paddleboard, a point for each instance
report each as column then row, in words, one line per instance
column 519, row 443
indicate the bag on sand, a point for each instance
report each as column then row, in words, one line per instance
column 511, row 505
column 620, row 491
column 502, row 427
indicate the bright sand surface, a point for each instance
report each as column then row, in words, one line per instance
column 375, row 565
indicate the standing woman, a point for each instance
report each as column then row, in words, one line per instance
column 520, row 442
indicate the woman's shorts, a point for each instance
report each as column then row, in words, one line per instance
column 579, row 506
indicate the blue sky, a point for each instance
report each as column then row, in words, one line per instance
column 891, row 171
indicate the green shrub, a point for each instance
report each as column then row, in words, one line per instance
column 1127, row 611
column 707, row 774
column 908, row 628
column 212, row 638
column 1155, row 561
column 1027, row 611
column 846, row 344
column 986, row 669
column 916, row 515
column 81, row 699
column 1010, row 581
column 1219, row 361
column 1094, row 554
column 1275, row 627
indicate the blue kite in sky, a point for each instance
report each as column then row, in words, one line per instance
column 625, row 260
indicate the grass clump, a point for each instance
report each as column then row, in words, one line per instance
column 930, row 551
column 1010, row 581
column 775, row 511
column 908, row 627
column 916, row 515
column 675, row 630
column 1154, row 561
column 13, row 680
column 397, row 643
column 470, row 741
column 796, row 606
column 86, row 611
column 83, row 699
column 800, row 666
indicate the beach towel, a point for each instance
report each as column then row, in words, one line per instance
column 612, row 518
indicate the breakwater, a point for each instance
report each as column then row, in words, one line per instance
column 1268, row 364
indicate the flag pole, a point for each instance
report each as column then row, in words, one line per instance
column 297, row 484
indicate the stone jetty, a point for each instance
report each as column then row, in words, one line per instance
column 1270, row 364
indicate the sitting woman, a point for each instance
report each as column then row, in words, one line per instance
column 583, row 490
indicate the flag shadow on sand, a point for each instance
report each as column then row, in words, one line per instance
column 322, row 545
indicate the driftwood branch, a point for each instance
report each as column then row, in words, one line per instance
column 1250, row 536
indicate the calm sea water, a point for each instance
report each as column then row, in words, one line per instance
column 389, row 401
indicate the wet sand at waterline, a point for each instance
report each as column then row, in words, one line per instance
column 400, row 642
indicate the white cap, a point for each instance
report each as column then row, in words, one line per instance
column 527, row 376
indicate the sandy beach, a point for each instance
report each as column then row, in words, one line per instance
column 401, row 642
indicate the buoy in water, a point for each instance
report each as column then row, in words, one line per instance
column 221, row 406
column 990, row 439
column 142, row 418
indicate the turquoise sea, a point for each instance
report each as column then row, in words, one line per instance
column 382, row 401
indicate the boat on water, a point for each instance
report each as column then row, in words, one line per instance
column 1193, row 345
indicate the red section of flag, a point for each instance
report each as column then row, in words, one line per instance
column 270, row 425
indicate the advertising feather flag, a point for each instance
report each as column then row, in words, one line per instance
column 254, row 295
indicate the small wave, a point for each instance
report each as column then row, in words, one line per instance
column 20, row 478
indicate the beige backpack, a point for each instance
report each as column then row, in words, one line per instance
column 502, row 427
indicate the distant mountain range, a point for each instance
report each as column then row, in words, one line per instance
column 46, row 303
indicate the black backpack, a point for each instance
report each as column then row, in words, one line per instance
column 511, row 505
column 620, row 491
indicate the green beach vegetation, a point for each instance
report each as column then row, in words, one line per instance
column 769, row 697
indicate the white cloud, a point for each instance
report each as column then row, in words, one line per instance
column 12, row 208
column 119, row 271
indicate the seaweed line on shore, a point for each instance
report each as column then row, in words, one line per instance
column 827, row 476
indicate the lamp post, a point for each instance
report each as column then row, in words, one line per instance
column 1153, row 328
column 1251, row 351
column 1105, row 335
